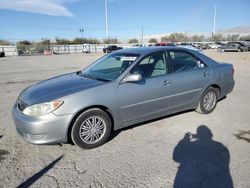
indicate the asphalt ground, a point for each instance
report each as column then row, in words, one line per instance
column 153, row 154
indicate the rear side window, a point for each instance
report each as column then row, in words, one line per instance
column 183, row 61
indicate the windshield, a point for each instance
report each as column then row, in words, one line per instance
column 110, row 67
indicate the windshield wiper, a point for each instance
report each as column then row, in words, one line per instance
column 95, row 78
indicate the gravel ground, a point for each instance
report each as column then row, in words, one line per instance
column 143, row 156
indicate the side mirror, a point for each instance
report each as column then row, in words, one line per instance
column 132, row 78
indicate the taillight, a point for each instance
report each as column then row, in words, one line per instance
column 232, row 71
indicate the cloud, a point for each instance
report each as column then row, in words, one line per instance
column 48, row 7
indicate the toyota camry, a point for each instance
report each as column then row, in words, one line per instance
column 120, row 89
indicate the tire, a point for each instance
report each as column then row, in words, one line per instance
column 210, row 94
column 242, row 49
column 87, row 134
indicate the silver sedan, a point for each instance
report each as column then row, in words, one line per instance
column 120, row 89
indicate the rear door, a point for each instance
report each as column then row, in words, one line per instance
column 190, row 76
column 233, row 46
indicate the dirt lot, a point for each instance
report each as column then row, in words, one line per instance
column 138, row 157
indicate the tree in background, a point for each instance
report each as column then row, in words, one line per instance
column 134, row 40
column 197, row 38
column 44, row 41
column 62, row 41
column 234, row 37
column 43, row 44
column 217, row 37
column 152, row 40
column 110, row 41
column 85, row 41
column 24, row 47
column 76, row 41
column 247, row 37
column 165, row 39
column 175, row 37
column 5, row 43
column 24, row 42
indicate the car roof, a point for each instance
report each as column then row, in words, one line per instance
column 151, row 49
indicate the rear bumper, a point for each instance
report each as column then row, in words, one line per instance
column 227, row 88
column 47, row 129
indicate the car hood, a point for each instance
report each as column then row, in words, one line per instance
column 56, row 88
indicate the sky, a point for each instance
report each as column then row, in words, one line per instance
column 36, row 19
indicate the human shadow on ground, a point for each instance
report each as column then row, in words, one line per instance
column 39, row 174
column 204, row 162
column 3, row 152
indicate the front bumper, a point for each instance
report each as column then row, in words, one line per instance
column 47, row 129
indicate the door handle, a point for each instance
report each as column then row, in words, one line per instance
column 166, row 83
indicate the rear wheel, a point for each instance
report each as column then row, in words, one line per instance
column 91, row 129
column 208, row 101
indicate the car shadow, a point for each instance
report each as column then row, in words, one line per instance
column 203, row 162
column 117, row 132
column 39, row 174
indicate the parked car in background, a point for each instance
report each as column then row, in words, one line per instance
column 164, row 44
column 202, row 46
column 212, row 46
column 137, row 45
column 2, row 53
column 111, row 48
column 234, row 47
column 244, row 46
column 118, row 90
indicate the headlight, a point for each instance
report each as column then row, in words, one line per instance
column 42, row 108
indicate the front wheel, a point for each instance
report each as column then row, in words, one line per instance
column 91, row 129
column 208, row 101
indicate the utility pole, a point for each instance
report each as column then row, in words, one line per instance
column 214, row 21
column 106, row 18
column 142, row 35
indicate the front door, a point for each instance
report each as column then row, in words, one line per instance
column 149, row 96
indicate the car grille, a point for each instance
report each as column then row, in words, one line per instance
column 21, row 105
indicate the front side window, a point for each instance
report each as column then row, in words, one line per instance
column 151, row 66
column 183, row 61
column 110, row 67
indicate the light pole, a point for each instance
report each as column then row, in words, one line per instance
column 106, row 18
column 81, row 31
column 142, row 35
column 214, row 20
